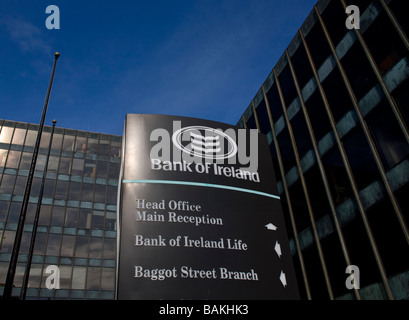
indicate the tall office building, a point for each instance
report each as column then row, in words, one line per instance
column 335, row 110
column 77, row 225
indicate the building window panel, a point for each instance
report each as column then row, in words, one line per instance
column 7, row 184
column 87, row 192
column 401, row 97
column 61, row 190
column 102, row 169
column 318, row 45
column 77, row 167
column 45, row 215
column 90, row 168
column 65, row 165
column 82, row 247
column 57, row 142
column 7, row 241
column 114, row 170
column 71, row 218
column 93, row 278
column 53, row 163
column 53, row 245
column 14, row 212
column 5, row 134
column 4, row 207
column 92, row 146
column 68, row 245
column 13, row 159
column 115, row 149
column 84, row 220
column 68, row 144
column 388, row 136
column 100, row 193
column 20, row 185
column 74, row 192
column 95, row 248
column 19, row 136
column 78, row 278
column 3, row 157
column 287, row 85
column 45, row 141
column 358, row 70
column 57, row 216
column 31, row 138
column 360, row 158
column 391, row 49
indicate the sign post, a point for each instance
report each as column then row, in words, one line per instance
column 199, row 216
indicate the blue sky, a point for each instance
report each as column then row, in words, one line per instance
column 197, row 58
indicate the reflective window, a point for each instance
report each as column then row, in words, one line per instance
column 53, row 163
column 98, row 219
column 45, row 140
column 93, row 278
column 77, row 167
column 7, row 184
column 81, row 247
column 102, row 169
column 20, row 186
column 84, row 219
column 74, row 191
column 115, row 149
column 95, row 248
column 61, row 190
column 65, row 165
column 68, row 245
column 87, row 192
column 111, row 195
column 13, row 159
column 71, row 218
column 109, row 248
column 5, row 134
column 104, row 147
column 389, row 138
column 92, row 146
column 3, row 157
column 4, row 207
column 108, row 279
column 57, row 216
column 78, row 277
column 53, row 245
column 45, row 215
column 14, row 212
column 57, row 142
column 25, row 162
column 31, row 138
column 114, row 169
column 90, row 168
column 68, row 144
column 100, row 193
column 81, row 144
column 19, row 135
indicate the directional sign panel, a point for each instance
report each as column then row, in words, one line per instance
column 199, row 214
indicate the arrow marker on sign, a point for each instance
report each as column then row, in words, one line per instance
column 283, row 278
column 277, row 248
column 271, row 226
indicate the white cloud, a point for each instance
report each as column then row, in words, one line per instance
column 28, row 36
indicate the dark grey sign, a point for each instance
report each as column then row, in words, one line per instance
column 199, row 215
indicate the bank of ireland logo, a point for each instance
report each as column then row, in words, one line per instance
column 205, row 142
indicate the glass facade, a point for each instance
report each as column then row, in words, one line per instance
column 77, row 223
column 335, row 110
